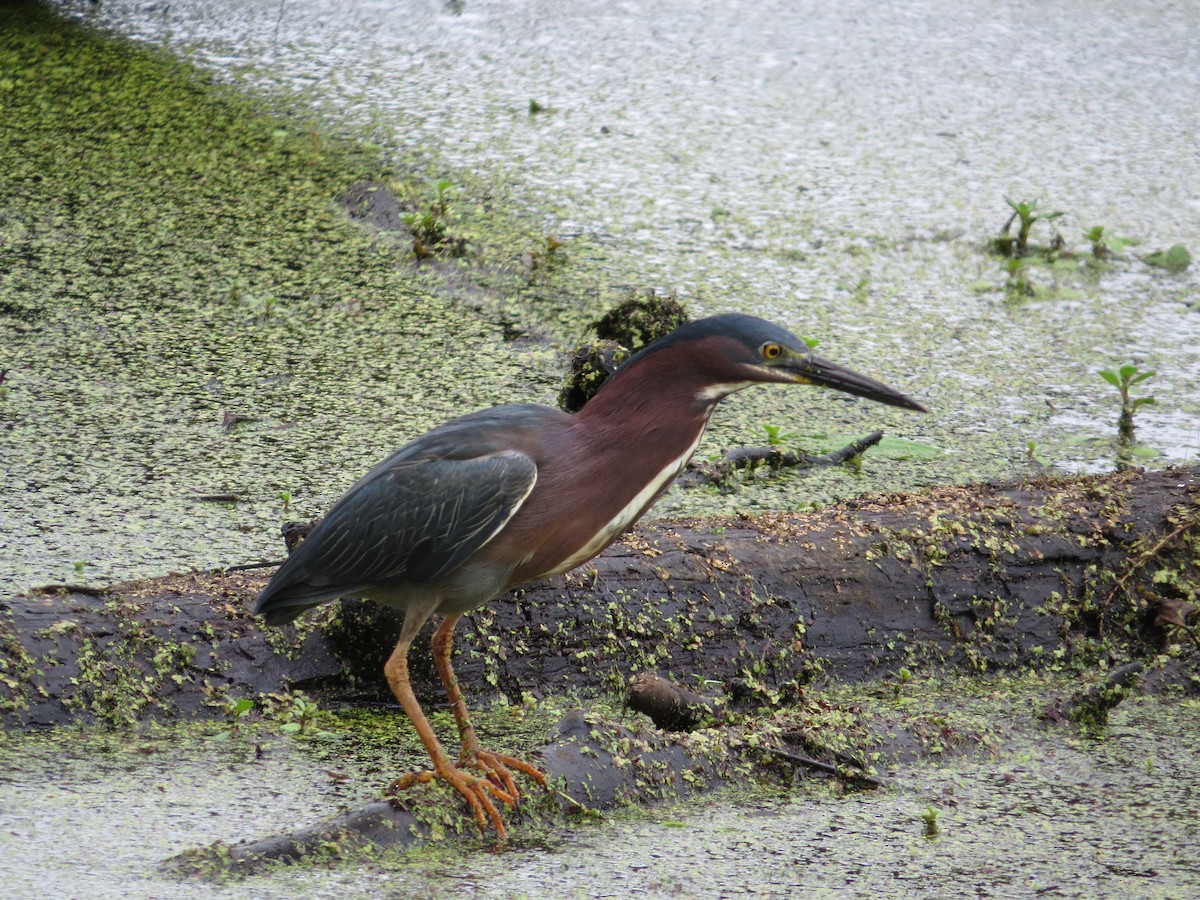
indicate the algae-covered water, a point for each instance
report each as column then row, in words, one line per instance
column 173, row 265
column 197, row 345
column 1040, row 814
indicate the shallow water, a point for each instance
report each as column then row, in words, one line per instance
column 1050, row 815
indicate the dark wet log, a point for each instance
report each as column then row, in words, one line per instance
column 985, row 577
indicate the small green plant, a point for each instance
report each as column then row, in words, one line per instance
column 286, row 497
column 1123, row 379
column 262, row 307
column 1104, row 245
column 903, row 677
column 299, row 715
column 930, row 818
column 238, row 709
column 1025, row 213
column 442, row 188
column 703, row 682
column 776, row 437
column 80, row 566
column 546, row 254
column 1018, row 276
column 235, row 711
column 428, row 227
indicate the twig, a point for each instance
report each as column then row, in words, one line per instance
column 748, row 457
column 1144, row 558
column 246, row 567
column 820, row 766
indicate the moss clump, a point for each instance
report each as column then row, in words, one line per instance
column 629, row 326
column 640, row 319
column 124, row 675
column 17, row 668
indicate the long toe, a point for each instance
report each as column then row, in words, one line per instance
column 477, row 790
column 498, row 767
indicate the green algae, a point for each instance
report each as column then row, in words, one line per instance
column 803, row 222
column 200, row 345
column 187, row 314
column 18, row 667
column 1020, row 807
column 1028, row 811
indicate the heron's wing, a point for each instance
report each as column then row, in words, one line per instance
column 410, row 519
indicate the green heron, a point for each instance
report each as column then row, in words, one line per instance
column 517, row 493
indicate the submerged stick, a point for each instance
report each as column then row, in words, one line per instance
column 719, row 471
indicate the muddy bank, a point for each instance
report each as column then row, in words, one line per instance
column 1069, row 574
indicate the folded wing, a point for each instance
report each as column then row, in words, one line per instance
column 408, row 521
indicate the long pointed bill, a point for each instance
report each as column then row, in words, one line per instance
column 809, row 369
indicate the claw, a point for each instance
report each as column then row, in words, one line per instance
column 498, row 769
column 496, row 782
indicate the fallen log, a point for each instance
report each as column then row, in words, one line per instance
column 985, row 577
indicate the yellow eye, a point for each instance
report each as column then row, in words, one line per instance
column 771, row 351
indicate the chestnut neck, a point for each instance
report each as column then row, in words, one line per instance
column 662, row 392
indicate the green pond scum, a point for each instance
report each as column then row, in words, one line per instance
column 198, row 288
column 1008, row 793
column 186, row 272
column 179, row 283
column 217, row 310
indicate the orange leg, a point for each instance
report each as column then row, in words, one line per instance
column 496, row 766
column 479, row 791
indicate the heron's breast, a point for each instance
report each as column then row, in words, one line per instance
column 569, row 518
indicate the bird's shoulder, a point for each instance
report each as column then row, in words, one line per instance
column 498, row 443
column 488, row 432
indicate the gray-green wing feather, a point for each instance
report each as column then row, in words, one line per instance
column 410, row 520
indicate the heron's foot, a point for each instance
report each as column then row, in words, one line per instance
column 497, row 768
column 479, row 791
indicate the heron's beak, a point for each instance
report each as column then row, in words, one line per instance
column 808, row 369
